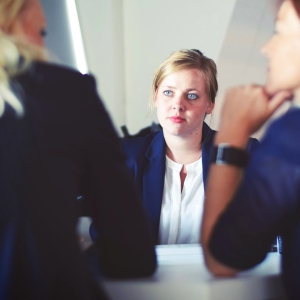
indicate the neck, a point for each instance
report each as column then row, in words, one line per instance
column 183, row 150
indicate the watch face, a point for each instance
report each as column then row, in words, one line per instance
column 220, row 154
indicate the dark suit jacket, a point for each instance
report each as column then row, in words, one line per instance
column 64, row 146
column 146, row 162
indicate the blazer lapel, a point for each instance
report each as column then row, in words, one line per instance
column 207, row 141
column 153, row 180
column 154, row 173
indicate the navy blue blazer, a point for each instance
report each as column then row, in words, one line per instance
column 268, row 199
column 145, row 158
column 64, row 146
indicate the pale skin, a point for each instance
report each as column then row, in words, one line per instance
column 30, row 24
column 182, row 103
column 245, row 110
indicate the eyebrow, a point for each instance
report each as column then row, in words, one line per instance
column 193, row 89
column 173, row 87
column 169, row 86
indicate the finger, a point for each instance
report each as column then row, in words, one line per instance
column 277, row 100
column 254, row 86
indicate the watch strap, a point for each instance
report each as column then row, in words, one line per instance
column 224, row 154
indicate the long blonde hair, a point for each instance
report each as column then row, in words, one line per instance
column 12, row 48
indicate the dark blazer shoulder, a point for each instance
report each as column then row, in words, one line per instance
column 57, row 74
column 55, row 70
column 61, row 86
column 208, row 136
column 135, row 147
column 58, row 83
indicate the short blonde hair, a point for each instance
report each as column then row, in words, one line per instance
column 187, row 59
column 12, row 48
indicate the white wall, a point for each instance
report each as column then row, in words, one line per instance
column 102, row 30
column 58, row 39
column 153, row 30
column 240, row 60
column 126, row 40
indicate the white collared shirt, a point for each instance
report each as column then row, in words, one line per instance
column 181, row 212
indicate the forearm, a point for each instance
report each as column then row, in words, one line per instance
column 244, row 111
column 223, row 181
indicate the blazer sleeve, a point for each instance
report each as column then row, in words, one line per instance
column 124, row 243
column 252, row 144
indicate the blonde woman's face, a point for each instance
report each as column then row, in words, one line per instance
column 182, row 102
column 33, row 22
column 283, row 52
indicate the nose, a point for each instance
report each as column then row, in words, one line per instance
column 178, row 103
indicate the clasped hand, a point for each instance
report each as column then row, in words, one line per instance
column 247, row 108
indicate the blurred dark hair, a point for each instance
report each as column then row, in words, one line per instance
column 297, row 6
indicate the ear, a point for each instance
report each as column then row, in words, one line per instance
column 209, row 108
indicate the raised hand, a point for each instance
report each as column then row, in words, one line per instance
column 247, row 108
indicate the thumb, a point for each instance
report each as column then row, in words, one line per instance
column 277, row 99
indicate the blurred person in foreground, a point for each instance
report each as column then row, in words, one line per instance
column 57, row 142
column 248, row 205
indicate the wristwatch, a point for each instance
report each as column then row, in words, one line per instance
column 224, row 154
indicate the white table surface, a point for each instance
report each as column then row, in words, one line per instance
column 181, row 274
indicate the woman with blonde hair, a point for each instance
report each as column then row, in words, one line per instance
column 54, row 134
column 170, row 167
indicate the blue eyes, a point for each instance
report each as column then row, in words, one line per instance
column 191, row 96
column 167, row 93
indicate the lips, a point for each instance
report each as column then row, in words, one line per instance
column 176, row 119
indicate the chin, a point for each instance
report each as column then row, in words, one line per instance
column 271, row 89
column 173, row 131
column 281, row 84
